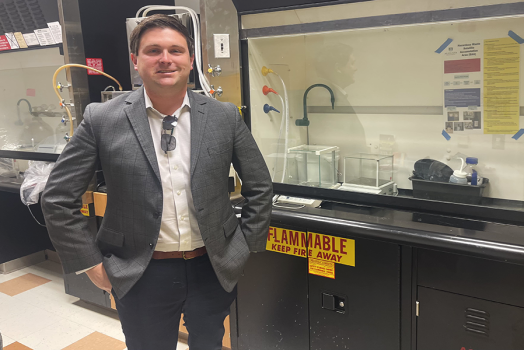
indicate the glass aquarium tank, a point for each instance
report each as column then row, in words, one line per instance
column 313, row 166
column 368, row 173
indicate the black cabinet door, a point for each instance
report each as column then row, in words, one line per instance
column 370, row 292
column 452, row 321
column 476, row 277
column 272, row 303
column 20, row 235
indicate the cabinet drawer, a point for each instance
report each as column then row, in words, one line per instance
column 476, row 277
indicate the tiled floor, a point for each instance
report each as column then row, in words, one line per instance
column 36, row 314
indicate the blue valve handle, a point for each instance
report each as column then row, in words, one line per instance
column 268, row 108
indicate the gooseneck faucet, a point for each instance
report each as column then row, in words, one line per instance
column 305, row 121
column 19, row 121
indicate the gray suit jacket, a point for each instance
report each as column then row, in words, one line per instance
column 117, row 135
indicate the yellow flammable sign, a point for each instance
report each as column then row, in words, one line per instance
column 85, row 209
column 312, row 245
column 321, row 268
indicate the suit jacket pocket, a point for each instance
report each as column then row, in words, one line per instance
column 110, row 237
column 230, row 225
column 220, row 148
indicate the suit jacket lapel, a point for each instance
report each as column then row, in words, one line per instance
column 198, row 125
column 137, row 115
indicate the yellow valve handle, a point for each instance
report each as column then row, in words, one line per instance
column 266, row 71
column 210, row 70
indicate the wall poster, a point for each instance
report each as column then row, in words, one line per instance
column 501, row 86
column 463, row 88
column 481, row 87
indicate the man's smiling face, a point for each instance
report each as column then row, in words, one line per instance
column 163, row 59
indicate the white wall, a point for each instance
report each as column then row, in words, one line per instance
column 395, row 66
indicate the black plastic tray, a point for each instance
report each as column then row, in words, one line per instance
column 448, row 192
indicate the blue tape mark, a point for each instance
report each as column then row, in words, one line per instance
column 443, row 46
column 518, row 134
column 446, row 135
column 515, row 37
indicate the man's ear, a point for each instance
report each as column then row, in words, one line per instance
column 135, row 61
column 192, row 61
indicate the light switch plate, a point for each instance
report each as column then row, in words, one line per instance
column 221, row 45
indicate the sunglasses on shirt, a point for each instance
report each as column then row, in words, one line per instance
column 168, row 141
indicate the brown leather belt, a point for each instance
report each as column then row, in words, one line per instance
column 178, row 255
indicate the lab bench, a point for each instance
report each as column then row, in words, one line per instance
column 419, row 281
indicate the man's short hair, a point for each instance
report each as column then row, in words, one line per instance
column 159, row 21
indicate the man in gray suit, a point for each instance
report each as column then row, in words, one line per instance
column 170, row 241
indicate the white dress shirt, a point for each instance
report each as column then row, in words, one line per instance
column 179, row 229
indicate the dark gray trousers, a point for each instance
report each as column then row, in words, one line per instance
column 150, row 312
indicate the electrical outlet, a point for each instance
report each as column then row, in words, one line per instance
column 221, row 45
column 498, row 141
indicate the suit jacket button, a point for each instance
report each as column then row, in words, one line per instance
column 151, row 245
column 156, row 215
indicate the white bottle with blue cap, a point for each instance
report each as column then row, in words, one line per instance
column 471, row 165
column 459, row 176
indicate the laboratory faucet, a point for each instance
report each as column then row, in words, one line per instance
column 304, row 121
column 19, row 121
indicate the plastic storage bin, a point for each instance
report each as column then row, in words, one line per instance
column 448, row 192
column 313, row 165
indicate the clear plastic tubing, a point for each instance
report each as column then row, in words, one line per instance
column 286, row 115
column 279, row 137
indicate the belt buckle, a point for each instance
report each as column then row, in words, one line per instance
column 184, row 256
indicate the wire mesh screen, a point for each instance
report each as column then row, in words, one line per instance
column 21, row 16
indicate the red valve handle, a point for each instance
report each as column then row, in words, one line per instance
column 266, row 90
